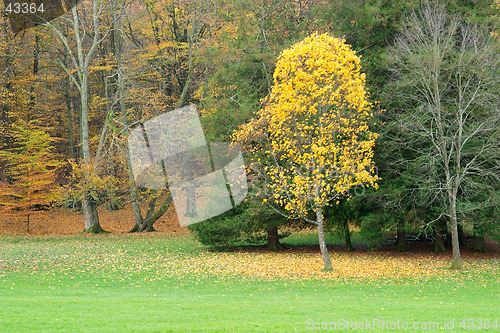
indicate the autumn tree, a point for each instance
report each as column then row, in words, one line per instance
column 31, row 164
column 310, row 143
column 447, row 72
column 80, row 57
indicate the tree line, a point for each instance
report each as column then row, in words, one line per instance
column 79, row 83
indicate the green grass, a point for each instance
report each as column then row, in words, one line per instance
column 311, row 238
column 125, row 283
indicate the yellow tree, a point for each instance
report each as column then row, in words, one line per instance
column 310, row 143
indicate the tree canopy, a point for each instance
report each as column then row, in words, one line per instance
column 311, row 141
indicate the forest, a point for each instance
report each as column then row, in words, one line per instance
column 411, row 150
column 249, row 166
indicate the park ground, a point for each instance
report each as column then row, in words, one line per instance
column 56, row 279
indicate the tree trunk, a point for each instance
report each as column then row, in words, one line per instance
column 36, row 62
column 193, row 41
column 131, row 179
column 69, row 117
column 461, row 235
column 123, row 113
column 273, row 241
column 140, row 227
column 89, row 206
column 457, row 261
column 7, row 68
column 151, row 210
column 347, row 236
column 152, row 216
column 117, row 47
column 135, row 228
column 479, row 244
column 152, row 204
column 147, row 224
column 322, row 244
column 401, row 245
column 91, row 217
column 148, row 227
column 438, row 242
column 439, row 233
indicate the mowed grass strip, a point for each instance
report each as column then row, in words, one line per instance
column 160, row 284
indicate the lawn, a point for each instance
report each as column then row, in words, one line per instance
column 158, row 283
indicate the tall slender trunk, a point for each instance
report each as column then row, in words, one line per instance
column 461, row 235
column 149, row 213
column 347, row 235
column 401, row 245
column 436, row 72
column 69, row 119
column 193, row 41
column 89, row 206
column 36, row 62
column 452, row 200
column 322, row 243
column 457, row 261
column 123, row 113
column 91, row 215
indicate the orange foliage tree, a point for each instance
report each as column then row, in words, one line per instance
column 31, row 164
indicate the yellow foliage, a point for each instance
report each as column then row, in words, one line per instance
column 31, row 164
column 313, row 129
column 87, row 184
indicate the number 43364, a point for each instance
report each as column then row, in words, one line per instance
column 24, row 8
column 472, row 324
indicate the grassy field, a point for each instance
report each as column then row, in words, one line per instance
column 158, row 283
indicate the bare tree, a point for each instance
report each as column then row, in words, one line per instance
column 80, row 54
column 448, row 71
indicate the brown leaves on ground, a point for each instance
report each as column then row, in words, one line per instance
column 306, row 264
column 67, row 222
column 183, row 257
